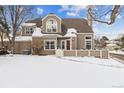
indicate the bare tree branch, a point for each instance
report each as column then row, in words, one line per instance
column 113, row 15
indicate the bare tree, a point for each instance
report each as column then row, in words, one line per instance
column 4, row 28
column 14, row 16
column 1, row 36
column 96, row 13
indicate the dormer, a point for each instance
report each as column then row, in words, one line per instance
column 28, row 28
column 51, row 23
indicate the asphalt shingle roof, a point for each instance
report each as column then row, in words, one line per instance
column 79, row 24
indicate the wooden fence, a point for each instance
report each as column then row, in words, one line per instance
column 96, row 53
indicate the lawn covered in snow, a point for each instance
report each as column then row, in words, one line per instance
column 51, row 71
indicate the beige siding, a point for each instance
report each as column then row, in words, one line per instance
column 58, row 23
column 37, row 42
column 81, row 40
column 74, row 43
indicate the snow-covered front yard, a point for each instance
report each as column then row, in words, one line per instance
column 51, row 71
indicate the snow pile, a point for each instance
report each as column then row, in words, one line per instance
column 37, row 33
column 29, row 24
column 52, row 35
column 71, row 32
column 25, row 71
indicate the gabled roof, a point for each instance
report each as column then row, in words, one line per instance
column 51, row 14
column 79, row 24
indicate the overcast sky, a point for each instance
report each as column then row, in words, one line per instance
column 75, row 11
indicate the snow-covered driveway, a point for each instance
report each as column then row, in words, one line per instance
column 51, row 71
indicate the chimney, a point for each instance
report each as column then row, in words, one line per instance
column 89, row 20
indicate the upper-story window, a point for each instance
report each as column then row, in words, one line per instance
column 51, row 25
column 29, row 30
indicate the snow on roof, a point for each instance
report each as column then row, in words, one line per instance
column 53, row 35
column 23, row 38
column 37, row 33
column 28, row 24
column 71, row 32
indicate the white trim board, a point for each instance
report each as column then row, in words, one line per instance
column 51, row 15
column 85, row 33
column 90, row 40
column 55, row 24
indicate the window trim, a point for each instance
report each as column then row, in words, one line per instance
column 47, row 25
column 64, row 44
column 50, row 41
column 70, row 43
column 28, row 31
column 88, row 40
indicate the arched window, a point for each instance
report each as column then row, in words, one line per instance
column 51, row 25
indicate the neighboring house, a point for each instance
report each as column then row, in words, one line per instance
column 112, row 45
column 52, row 32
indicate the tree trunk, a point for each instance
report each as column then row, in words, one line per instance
column 12, row 45
column 1, row 36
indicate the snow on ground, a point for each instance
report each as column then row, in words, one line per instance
column 117, row 52
column 97, row 61
column 51, row 71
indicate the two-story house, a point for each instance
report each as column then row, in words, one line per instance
column 52, row 32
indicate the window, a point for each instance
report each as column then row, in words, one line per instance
column 29, row 30
column 88, row 42
column 49, row 44
column 62, row 44
column 51, row 25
